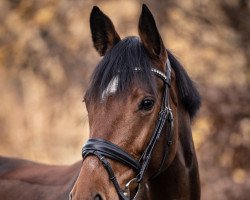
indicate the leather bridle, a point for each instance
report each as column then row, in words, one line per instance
column 103, row 149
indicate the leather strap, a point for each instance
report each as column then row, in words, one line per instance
column 111, row 174
column 110, row 150
column 145, row 159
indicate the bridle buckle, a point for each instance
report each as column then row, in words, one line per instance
column 131, row 189
column 166, row 111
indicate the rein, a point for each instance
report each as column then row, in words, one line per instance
column 103, row 149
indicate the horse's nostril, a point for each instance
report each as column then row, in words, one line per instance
column 98, row 197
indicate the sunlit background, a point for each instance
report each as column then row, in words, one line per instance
column 46, row 59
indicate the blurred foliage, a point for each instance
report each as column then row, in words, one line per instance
column 46, row 58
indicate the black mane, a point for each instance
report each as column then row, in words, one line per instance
column 121, row 61
column 187, row 91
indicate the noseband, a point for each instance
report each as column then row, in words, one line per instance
column 104, row 149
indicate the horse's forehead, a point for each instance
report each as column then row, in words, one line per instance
column 111, row 88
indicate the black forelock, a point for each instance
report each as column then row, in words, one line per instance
column 122, row 60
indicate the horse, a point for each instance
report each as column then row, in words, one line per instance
column 22, row 179
column 140, row 104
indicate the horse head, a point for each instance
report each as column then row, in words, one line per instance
column 136, row 113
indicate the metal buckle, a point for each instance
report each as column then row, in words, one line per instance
column 130, row 187
column 171, row 116
column 166, row 111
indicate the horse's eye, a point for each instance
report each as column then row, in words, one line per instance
column 146, row 104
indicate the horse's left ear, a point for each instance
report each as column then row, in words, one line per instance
column 104, row 35
column 150, row 36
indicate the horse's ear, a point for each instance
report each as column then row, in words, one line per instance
column 103, row 31
column 150, row 36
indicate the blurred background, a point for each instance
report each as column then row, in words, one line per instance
column 46, row 59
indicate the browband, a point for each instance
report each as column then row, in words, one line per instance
column 165, row 77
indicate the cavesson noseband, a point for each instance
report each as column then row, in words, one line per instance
column 104, row 149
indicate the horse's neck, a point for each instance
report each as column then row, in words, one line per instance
column 181, row 180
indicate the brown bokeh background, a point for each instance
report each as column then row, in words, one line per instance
column 46, row 59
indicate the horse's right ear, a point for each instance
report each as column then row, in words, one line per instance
column 104, row 35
